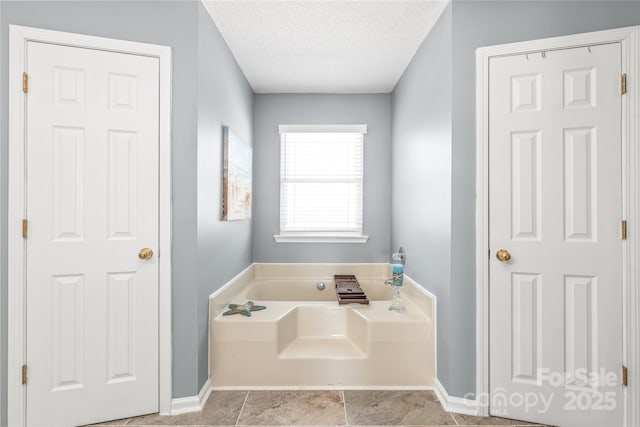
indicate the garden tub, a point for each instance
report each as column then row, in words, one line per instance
column 305, row 339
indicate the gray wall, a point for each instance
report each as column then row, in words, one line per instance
column 421, row 174
column 224, row 98
column 167, row 23
column 484, row 23
column 434, row 152
column 272, row 110
column 471, row 24
column 183, row 26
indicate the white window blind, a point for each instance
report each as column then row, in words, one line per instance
column 321, row 179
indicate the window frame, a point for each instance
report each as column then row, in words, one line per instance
column 321, row 236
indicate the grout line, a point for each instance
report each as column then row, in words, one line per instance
column 454, row 418
column 344, row 406
column 241, row 409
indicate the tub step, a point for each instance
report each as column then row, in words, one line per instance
column 348, row 290
column 322, row 348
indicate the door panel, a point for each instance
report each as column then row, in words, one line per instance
column 92, row 204
column 555, row 204
column 526, row 174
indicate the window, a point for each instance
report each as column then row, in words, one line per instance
column 321, row 171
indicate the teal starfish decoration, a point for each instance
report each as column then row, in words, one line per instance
column 244, row 309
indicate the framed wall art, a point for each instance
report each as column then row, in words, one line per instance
column 236, row 180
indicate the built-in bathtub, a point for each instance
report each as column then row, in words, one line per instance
column 303, row 289
column 304, row 338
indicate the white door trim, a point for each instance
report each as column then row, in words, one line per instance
column 629, row 39
column 18, row 37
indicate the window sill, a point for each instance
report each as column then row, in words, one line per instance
column 320, row 238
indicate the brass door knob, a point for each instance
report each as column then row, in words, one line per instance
column 145, row 253
column 503, row 255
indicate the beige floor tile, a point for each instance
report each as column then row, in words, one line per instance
column 320, row 409
column 120, row 422
column 153, row 420
column 305, row 408
column 395, row 408
column 469, row 420
column 222, row 408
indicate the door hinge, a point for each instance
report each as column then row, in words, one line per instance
column 623, row 229
column 623, row 84
column 24, row 374
column 25, row 228
column 25, row 82
column 624, row 376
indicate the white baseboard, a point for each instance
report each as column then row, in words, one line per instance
column 182, row 405
column 458, row 405
column 321, row 387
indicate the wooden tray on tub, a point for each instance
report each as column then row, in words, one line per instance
column 348, row 290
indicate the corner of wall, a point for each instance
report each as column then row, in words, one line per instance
column 422, row 171
column 454, row 404
column 224, row 98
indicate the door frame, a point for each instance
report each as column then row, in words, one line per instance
column 629, row 38
column 19, row 36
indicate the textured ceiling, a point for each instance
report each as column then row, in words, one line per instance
column 329, row 46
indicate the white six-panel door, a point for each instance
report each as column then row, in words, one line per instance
column 555, row 203
column 92, row 205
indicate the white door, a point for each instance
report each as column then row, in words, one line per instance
column 92, row 205
column 555, row 206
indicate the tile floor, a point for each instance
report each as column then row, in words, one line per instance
column 319, row 408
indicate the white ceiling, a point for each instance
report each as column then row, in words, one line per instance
column 324, row 46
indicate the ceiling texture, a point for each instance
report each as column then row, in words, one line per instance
column 324, row 46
